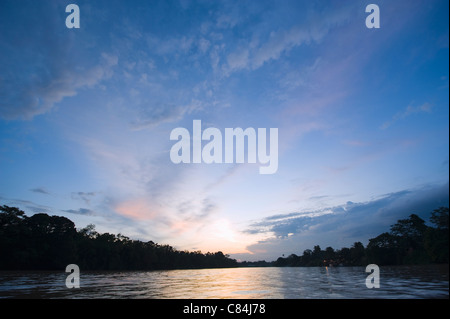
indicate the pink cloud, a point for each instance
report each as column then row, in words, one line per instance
column 138, row 209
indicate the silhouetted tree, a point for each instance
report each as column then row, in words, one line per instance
column 410, row 234
column 52, row 242
column 383, row 250
column 436, row 239
column 357, row 254
column 440, row 218
column 14, row 239
column 343, row 256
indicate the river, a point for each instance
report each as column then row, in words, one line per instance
column 397, row 282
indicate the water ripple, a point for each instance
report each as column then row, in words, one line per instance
column 249, row 283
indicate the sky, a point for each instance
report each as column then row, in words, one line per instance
column 362, row 116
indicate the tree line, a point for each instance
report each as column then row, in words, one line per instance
column 43, row 242
column 409, row 241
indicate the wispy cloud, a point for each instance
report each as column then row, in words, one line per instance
column 29, row 95
column 408, row 111
column 80, row 211
column 86, row 197
column 40, row 190
column 42, row 68
column 151, row 114
column 271, row 44
column 27, row 205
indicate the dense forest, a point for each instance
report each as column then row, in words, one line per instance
column 43, row 242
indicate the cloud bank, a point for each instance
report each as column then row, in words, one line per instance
column 341, row 226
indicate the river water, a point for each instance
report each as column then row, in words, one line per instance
column 262, row 283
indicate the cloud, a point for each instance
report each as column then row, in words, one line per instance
column 86, row 197
column 230, row 172
column 237, row 60
column 137, row 209
column 203, row 45
column 152, row 114
column 27, row 205
column 40, row 190
column 278, row 43
column 40, row 66
column 342, row 225
column 181, row 223
column 80, row 211
column 408, row 111
column 40, row 94
column 172, row 46
column 282, row 41
column 227, row 20
column 196, row 211
column 263, row 47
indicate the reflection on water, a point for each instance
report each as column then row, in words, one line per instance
column 261, row 283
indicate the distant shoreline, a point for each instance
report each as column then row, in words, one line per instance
column 43, row 242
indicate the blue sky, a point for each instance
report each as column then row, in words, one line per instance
column 362, row 116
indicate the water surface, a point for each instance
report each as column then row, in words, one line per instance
column 262, row 283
